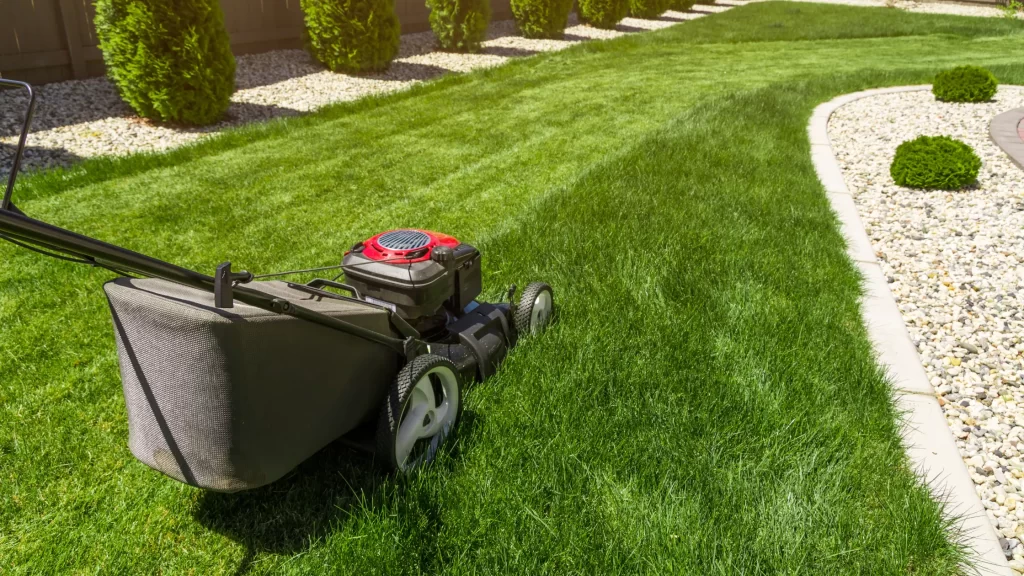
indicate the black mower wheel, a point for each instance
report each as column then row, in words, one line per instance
column 536, row 305
column 422, row 409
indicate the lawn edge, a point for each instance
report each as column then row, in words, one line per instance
column 926, row 435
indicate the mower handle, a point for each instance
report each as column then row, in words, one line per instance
column 6, row 204
column 21, row 229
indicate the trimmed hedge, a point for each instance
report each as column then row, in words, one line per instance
column 935, row 163
column 460, row 25
column 684, row 5
column 647, row 8
column 352, row 36
column 965, row 84
column 171, row 60
column 603, row 13
column 542, row 18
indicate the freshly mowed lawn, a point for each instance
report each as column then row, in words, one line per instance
column 706, row 404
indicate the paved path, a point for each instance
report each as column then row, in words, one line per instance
column 1007, row 130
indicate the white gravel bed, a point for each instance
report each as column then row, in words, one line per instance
column 85, row 118
column 923, row 7
column 955, row 264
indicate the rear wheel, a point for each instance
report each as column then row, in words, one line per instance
column 421, row 411
column 536, row 305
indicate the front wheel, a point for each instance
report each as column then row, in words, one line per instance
column 536, row 305
column 422, row 408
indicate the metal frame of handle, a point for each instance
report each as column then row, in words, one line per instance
column 6, row 204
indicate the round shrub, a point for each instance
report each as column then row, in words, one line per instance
column 965, row 84
column 542, row 18
column 647, row 8
column 460, row 25
column 935, row 163
column 352, row 35
column 170, row 59
column 603, row 13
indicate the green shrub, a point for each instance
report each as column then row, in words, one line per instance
column 460, row 25
column 935, row 163
column 603, row 13
column 684, row 5
column 352, row 35
column 647, row 8
column 170, row 59
column 542, row 18
column 965, row 84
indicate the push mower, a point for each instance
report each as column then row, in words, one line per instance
column 232, row 380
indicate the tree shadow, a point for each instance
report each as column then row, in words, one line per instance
column 404, row 71
column 266, row 68
column 628, row 28
column 34, row 158
column 317, row 498
column 502, row 32
column 278, row 69
column 61, row 104
column 508, row 51
column 575, row 38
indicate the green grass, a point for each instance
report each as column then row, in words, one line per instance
column 706, row 404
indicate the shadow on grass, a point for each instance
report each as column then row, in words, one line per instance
column 314, row 500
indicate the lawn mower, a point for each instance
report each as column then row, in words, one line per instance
column 231, row 380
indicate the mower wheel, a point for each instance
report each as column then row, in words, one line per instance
column 422, row 409
column 533, row 313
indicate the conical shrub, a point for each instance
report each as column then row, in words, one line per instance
column 647, row 8
column 460, row 25
column 542, row 18
column 603, row 13
column 683, row 5
column 353, row 36
column 170, row 59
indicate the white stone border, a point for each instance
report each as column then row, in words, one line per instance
column 927, row 437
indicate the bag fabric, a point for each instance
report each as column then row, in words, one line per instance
column 232, row 399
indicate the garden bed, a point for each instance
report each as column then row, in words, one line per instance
column 81, row 119
column 955, row 263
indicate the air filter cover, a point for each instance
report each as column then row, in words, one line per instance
column 403, row 240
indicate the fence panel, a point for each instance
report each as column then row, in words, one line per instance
column 52, row 40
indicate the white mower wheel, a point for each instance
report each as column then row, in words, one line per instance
column 535, row 309
column 422, row 409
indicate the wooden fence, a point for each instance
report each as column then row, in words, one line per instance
column 52, row 40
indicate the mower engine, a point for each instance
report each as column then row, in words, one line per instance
column 425, row 277
column 431, row 281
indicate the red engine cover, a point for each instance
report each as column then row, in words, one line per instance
column 405, row 246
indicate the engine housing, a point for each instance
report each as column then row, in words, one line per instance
column 417, row 273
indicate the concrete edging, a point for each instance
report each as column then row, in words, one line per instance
column 927, row 437
column 1005, row 132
